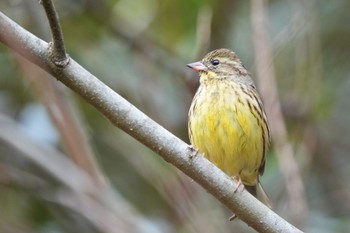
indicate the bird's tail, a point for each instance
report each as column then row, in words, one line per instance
column 258, row 191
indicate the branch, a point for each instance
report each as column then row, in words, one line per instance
column 58, row 55
column 128, row 118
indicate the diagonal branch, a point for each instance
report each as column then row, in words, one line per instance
column 128, row 118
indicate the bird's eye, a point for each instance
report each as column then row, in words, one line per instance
column 215, row 62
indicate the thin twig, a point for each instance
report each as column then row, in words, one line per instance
column 203, row 34
column 134, row 122
column 58, row 55
column 222, row 23
column 267, row 83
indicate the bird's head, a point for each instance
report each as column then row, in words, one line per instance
column 220, row 63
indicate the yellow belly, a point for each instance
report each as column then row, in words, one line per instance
column 224, row 129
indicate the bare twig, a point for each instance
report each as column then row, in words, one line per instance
column 58, row 54
column 268, row 87
column 222, row 23
column 128, row 118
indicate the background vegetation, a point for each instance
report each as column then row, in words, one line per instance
column 140, row 48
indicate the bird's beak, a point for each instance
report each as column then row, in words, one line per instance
column 197, row 66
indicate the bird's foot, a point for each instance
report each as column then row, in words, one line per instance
column 240, row 185
column 239, row 188
column 193, row 151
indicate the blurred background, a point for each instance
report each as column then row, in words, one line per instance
column 64, row 168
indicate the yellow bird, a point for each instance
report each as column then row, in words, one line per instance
column 227, row 122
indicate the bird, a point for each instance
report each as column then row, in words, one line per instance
column 227, row 122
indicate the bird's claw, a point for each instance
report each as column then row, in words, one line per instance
column 193, row 151
column 240, row 185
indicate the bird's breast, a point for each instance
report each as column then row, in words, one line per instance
column 222, row 127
